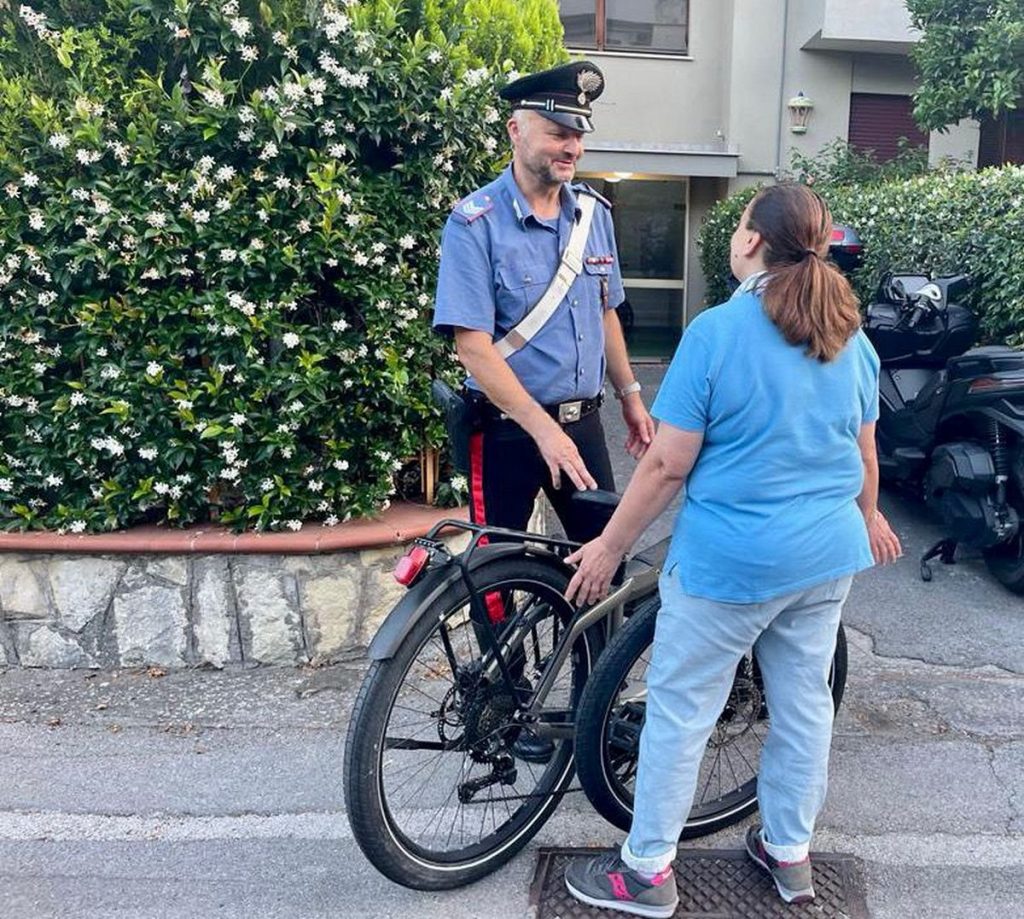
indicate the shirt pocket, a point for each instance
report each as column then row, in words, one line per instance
column 595, row 282
column 518, row 287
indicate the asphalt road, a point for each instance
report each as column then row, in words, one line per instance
column 205, row 793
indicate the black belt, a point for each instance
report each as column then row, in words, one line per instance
column 562, row 412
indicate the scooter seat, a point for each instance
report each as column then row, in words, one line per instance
column 984, row 361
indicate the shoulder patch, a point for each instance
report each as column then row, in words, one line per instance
column 472, row 208
column 583, row 188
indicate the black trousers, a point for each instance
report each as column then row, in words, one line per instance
column 507, row 471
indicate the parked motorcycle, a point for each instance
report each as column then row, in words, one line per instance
column 951, row 424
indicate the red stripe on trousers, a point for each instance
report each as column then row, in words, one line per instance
column 493, row 602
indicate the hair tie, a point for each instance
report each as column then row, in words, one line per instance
column 813, row 252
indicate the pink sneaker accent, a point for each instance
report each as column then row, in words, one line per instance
column 662, row 876
column 619, row 886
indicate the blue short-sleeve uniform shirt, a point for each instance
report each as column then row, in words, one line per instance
column 498, row 258
column 770, row 505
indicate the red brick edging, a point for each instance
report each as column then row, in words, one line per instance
column 400, row 523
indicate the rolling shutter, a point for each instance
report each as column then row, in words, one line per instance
column 877, row 122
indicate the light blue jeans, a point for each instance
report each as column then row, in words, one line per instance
column 698, row 644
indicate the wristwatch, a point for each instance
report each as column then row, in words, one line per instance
column 627, row 390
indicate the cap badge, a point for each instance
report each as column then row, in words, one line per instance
column 589, row 81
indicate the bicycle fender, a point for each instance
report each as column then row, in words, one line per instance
column 415, row 602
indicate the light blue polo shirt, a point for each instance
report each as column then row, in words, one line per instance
column 497, row 259
column 770, row 505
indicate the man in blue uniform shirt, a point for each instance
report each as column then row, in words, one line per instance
column 501, row 247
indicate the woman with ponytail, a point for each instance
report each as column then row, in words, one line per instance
column 767, row 415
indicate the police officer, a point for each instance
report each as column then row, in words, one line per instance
column 501, row 247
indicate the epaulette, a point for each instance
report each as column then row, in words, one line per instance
column 587, row 190
column 472, row 208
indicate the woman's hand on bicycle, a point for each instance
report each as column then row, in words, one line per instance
column 596, row 564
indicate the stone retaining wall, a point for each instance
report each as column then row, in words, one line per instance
column 63, row 610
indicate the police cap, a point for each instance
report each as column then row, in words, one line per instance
column 562, row 94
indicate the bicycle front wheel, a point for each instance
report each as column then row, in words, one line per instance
column 611, row 715
column 442, row 784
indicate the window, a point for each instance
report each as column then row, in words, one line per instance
column 627, row 25
column 1002, row 140
column 879, row 122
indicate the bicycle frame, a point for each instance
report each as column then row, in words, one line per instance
column 545, row 722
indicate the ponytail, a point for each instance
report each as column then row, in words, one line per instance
column 807, row 298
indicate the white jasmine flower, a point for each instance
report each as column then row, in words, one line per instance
column 225, row 174
column 241, row 26
column 337, row 151
column 268, row 152
column 30, row 180
column 54, row 481
column 110, row 372
column 360, row 258
column 238, row 419
column 12, row 190
column 148, row 453
column 290, row 339
column 250, row 53
column 35, row 220
column 153, row 369
column 283, row 183
column 340, row 465
column 339, row 325
column 294, row 525
column 59, row 141
column 246, row 115
column 353, row 220
column 78, row 398
column 407, row 241
column 228, row 255
column 316, row 485
column 156, row 219
column 6, row 485
column 201, row 217
column 77, row 526
column 331, row 521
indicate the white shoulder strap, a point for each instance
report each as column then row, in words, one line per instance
column 568, row 269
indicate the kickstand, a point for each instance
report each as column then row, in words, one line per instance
column 944, row 550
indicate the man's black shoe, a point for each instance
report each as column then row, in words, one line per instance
column 533, row 749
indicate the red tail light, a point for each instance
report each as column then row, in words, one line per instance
column 410, row 566
column 837, row 235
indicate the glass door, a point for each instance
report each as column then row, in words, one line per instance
column 650, row 232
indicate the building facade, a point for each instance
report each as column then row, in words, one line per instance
column 697, row 105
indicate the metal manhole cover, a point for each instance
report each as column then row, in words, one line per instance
column 713, row 884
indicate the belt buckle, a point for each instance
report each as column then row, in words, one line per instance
column 570, row 411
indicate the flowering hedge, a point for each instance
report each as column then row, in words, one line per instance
column 218, row 246
column 943, row 222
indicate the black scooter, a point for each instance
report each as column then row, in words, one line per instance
column 951, row 424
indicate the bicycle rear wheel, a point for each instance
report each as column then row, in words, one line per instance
column 611, row 715
column 438, row 792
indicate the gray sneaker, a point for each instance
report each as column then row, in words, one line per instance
column 792, row 879
column 606, row 880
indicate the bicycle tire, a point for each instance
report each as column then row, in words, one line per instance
column 601, row 764
column 375, row 812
